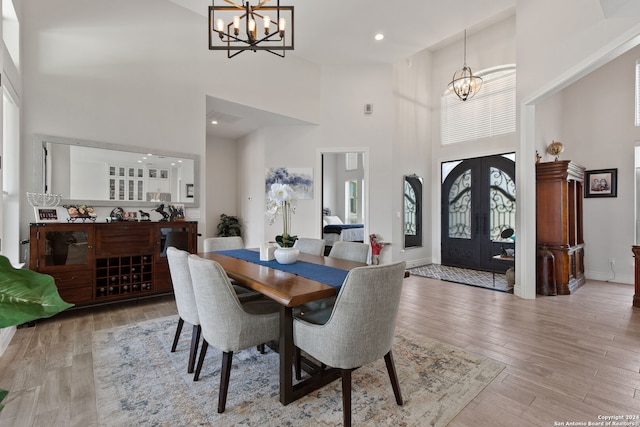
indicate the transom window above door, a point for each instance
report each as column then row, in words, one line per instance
column 490, row 113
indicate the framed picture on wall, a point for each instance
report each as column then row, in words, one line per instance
column 601, row 183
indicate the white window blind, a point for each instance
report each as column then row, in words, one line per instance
column 637, row 93
column 491, row 112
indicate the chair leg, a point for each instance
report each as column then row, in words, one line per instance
column 260, row 348
column 346, row 397
column 195, row 340
column 393, row 376
column 177, row 337
column 225, row 373
column 297, row 361
column 203, row 352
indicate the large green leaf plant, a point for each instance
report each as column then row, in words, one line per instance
column 26, row 295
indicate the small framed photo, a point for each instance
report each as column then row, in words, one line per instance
column 46, row 214
column 189, row 191
column 601, row 183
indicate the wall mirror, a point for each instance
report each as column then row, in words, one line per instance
column 103, row 174
column 412, row 205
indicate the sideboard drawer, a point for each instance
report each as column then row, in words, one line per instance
column 117, row 238
column 73, row 279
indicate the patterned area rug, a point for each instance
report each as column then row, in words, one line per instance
column 482, row 279
column 140, row 382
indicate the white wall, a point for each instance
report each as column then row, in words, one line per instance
column 329, row 180
column 577, row 38
column 599, row 133
column 137, row 73
column 345, row 91
column 220, row 183
column 412, row 91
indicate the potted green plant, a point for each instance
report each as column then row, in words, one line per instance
column 26, row 295
column 229, row 226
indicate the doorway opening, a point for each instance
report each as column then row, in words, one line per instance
column 478, row 204
column 344, row 203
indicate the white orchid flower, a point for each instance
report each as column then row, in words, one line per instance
column 281, row 193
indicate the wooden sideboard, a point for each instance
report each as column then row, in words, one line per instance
column 559, row 193
column 97, row 263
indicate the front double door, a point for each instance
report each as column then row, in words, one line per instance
column 478, row 203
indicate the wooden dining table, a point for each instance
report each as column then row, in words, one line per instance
column 289, row 290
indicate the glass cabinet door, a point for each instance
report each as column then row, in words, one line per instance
column 66, row 245
column 177, row 237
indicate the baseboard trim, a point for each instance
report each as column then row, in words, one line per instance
column 418, row 262
column 627, row 279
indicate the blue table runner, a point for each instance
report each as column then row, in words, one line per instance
column 320, row 273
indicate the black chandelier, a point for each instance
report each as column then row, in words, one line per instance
column 240, row 27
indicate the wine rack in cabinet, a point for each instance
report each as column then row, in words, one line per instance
column 122, row 276
column 101, row 263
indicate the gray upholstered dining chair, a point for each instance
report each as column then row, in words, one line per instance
column 185, row 300
column 228, row 324
column 310, row 246
column 212, row 244
column 353, row 251
column 361, row 327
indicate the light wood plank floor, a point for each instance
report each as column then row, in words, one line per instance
column 571, row 358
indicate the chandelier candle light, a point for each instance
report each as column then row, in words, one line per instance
column 464, row 83
column 235, row 27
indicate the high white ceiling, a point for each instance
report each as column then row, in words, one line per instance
column 334, row 32
column 342, row 31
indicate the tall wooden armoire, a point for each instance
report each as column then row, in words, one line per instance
column 559, row 192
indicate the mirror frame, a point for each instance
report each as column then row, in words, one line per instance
column 39, row 178
column 409, row 241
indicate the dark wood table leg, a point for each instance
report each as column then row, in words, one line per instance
column 286, row 355
column 320, row 377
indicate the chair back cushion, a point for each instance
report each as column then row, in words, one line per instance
column 310, row 246
column 361, row 327
column 182, row 286
column 352, row 251
column 225, row 324
column 212, row 244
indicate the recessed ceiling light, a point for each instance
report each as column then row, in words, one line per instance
column 379, row 36
column 214, row 122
